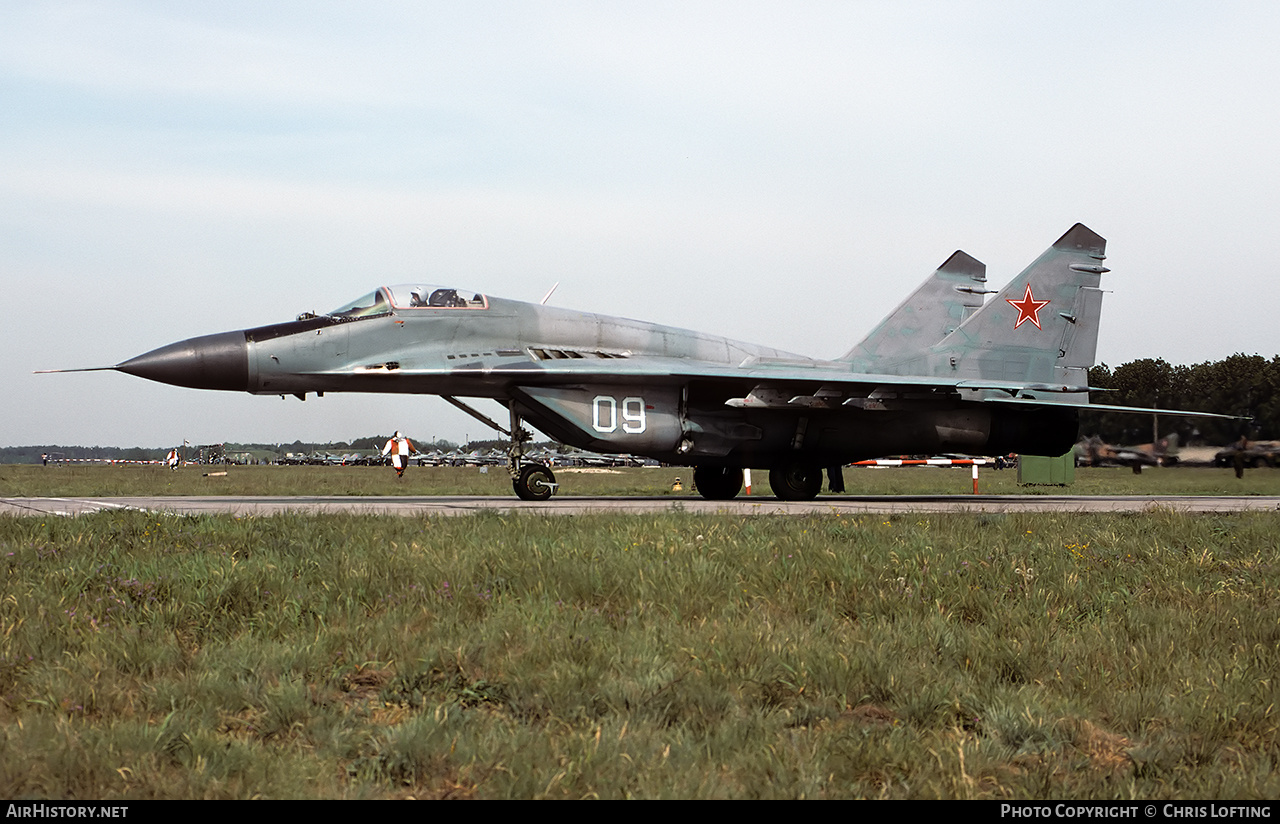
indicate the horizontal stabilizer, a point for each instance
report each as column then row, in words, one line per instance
column 1023, row 387
column 1105, row 407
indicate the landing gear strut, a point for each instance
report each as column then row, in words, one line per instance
column 531, row 481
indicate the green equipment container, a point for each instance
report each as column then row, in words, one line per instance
column 1042, row 469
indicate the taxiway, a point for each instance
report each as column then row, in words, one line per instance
column 568, row 505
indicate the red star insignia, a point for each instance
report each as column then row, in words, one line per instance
column 1028, row 308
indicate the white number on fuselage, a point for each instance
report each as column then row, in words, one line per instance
column 604, row 415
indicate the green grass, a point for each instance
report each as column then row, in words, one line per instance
column 672, row 655
column 126, row 480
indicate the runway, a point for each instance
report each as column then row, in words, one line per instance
column 466, row 505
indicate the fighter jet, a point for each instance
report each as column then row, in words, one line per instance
column 946, row 372
column 1093, row 451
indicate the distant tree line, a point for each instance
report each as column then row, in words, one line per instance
column 31, row 454
column 1237, row 385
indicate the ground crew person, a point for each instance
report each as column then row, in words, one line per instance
column 400, row 449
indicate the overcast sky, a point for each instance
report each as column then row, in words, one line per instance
column 781, row 172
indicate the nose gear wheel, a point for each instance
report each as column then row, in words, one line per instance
column 534, row 483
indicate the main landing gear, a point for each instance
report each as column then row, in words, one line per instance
column 531, row 481
column 717, row 483
column 794, row 482
column 790, row 482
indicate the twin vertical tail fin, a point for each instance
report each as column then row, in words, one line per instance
column 1040, row 328
column 934, row 310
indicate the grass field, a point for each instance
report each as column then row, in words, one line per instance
column 128, row 480
column 674, row 655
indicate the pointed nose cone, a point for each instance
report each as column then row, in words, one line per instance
column 209, row 362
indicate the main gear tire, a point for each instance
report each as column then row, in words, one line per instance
column 795, row 482
column 717, row 483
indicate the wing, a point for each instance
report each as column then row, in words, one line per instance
column 766, row 411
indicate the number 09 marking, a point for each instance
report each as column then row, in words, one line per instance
column 604, row 415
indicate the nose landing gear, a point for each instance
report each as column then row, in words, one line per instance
column 534, row 482
column 531, row 481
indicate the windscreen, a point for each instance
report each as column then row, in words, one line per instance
column 374, row 303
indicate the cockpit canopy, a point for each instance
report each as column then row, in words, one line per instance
column 387, row 299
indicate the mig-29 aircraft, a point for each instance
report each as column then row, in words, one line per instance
column 945, row 372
